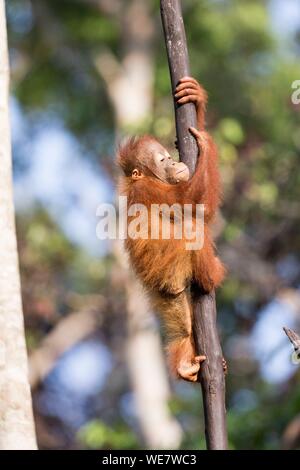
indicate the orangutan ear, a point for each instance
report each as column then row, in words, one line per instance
column 136, row 174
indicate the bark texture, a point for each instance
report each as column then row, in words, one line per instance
column 129, row 84
column 16, row 419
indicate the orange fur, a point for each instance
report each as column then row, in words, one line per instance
column 165, row 267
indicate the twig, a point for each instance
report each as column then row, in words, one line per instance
column 204, row 306
column 293, row 337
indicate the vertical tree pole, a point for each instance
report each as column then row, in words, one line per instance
column 16, row 420
column 204, row 305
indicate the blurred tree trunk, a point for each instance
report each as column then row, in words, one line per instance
column 16, row 419
column 130, row 87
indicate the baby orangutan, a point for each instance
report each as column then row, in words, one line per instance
column 166, row 267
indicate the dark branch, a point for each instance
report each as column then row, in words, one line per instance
column 179, row 67
column 204, row 306
column 293, row 337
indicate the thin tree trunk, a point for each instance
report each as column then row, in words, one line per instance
column 16, row 419
column 204, row 306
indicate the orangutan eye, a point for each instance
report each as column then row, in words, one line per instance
column 162, row 160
